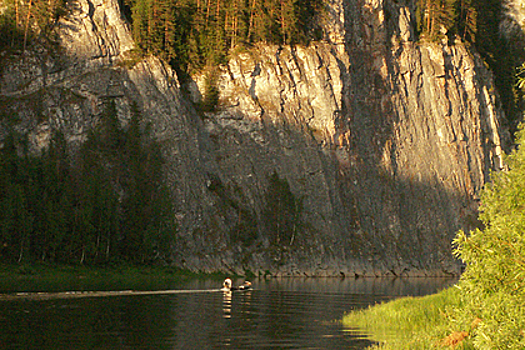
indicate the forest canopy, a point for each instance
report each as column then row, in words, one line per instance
column 104, row 203
column 24, row 20
column 200, row 32
column 191, row 34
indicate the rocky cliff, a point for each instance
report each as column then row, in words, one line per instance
column 384, row 142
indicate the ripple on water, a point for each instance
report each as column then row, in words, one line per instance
column 277, row 314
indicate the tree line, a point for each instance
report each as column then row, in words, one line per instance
column 104, row 203
column 200, row 32
column 23, row 20
column 466, row 19
column 437, row 18
column 191, row 34
column 476, row 22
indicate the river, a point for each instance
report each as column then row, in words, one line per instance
column 284, row 313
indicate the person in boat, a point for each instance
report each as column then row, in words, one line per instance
column 227, row 285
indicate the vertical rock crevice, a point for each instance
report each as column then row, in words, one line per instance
column 384, row 142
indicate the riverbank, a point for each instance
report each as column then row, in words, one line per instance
column 414, row 323
column 36, row 277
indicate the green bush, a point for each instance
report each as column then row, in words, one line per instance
column 493, row 285
column 486, row 310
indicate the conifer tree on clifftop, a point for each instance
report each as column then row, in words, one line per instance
column 201, row 32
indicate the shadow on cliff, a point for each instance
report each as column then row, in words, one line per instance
column 355, row 213
column 394, row 222
column 369, row 220
column 375, row 221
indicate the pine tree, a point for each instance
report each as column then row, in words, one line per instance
column 8, row 219
column 435, row 18
column 283, row 211
column 201, row 32
column 22, row 21
column 466, row 20
column 140, row 10
column 53, row 205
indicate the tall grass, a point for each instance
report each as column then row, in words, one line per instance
column 412, row 323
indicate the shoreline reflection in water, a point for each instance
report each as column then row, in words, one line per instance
column 279, row 313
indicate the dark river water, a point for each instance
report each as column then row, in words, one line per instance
column 291, row 313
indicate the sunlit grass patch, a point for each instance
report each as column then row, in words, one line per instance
column 414, row 323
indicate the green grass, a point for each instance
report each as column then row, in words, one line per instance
column 413, row 322
column 43, row 277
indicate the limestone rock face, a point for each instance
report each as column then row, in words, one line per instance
column 94, row 33
column 384, row 142
column 388, row 141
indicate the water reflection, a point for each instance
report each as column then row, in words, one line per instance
column 227, row 302
column 278, row 313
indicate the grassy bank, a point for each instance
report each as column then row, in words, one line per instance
column 37, row 277
column 414, row 323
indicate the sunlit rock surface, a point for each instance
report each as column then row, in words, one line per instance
column 386, row 142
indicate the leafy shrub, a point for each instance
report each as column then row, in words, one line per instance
column 493, row 285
